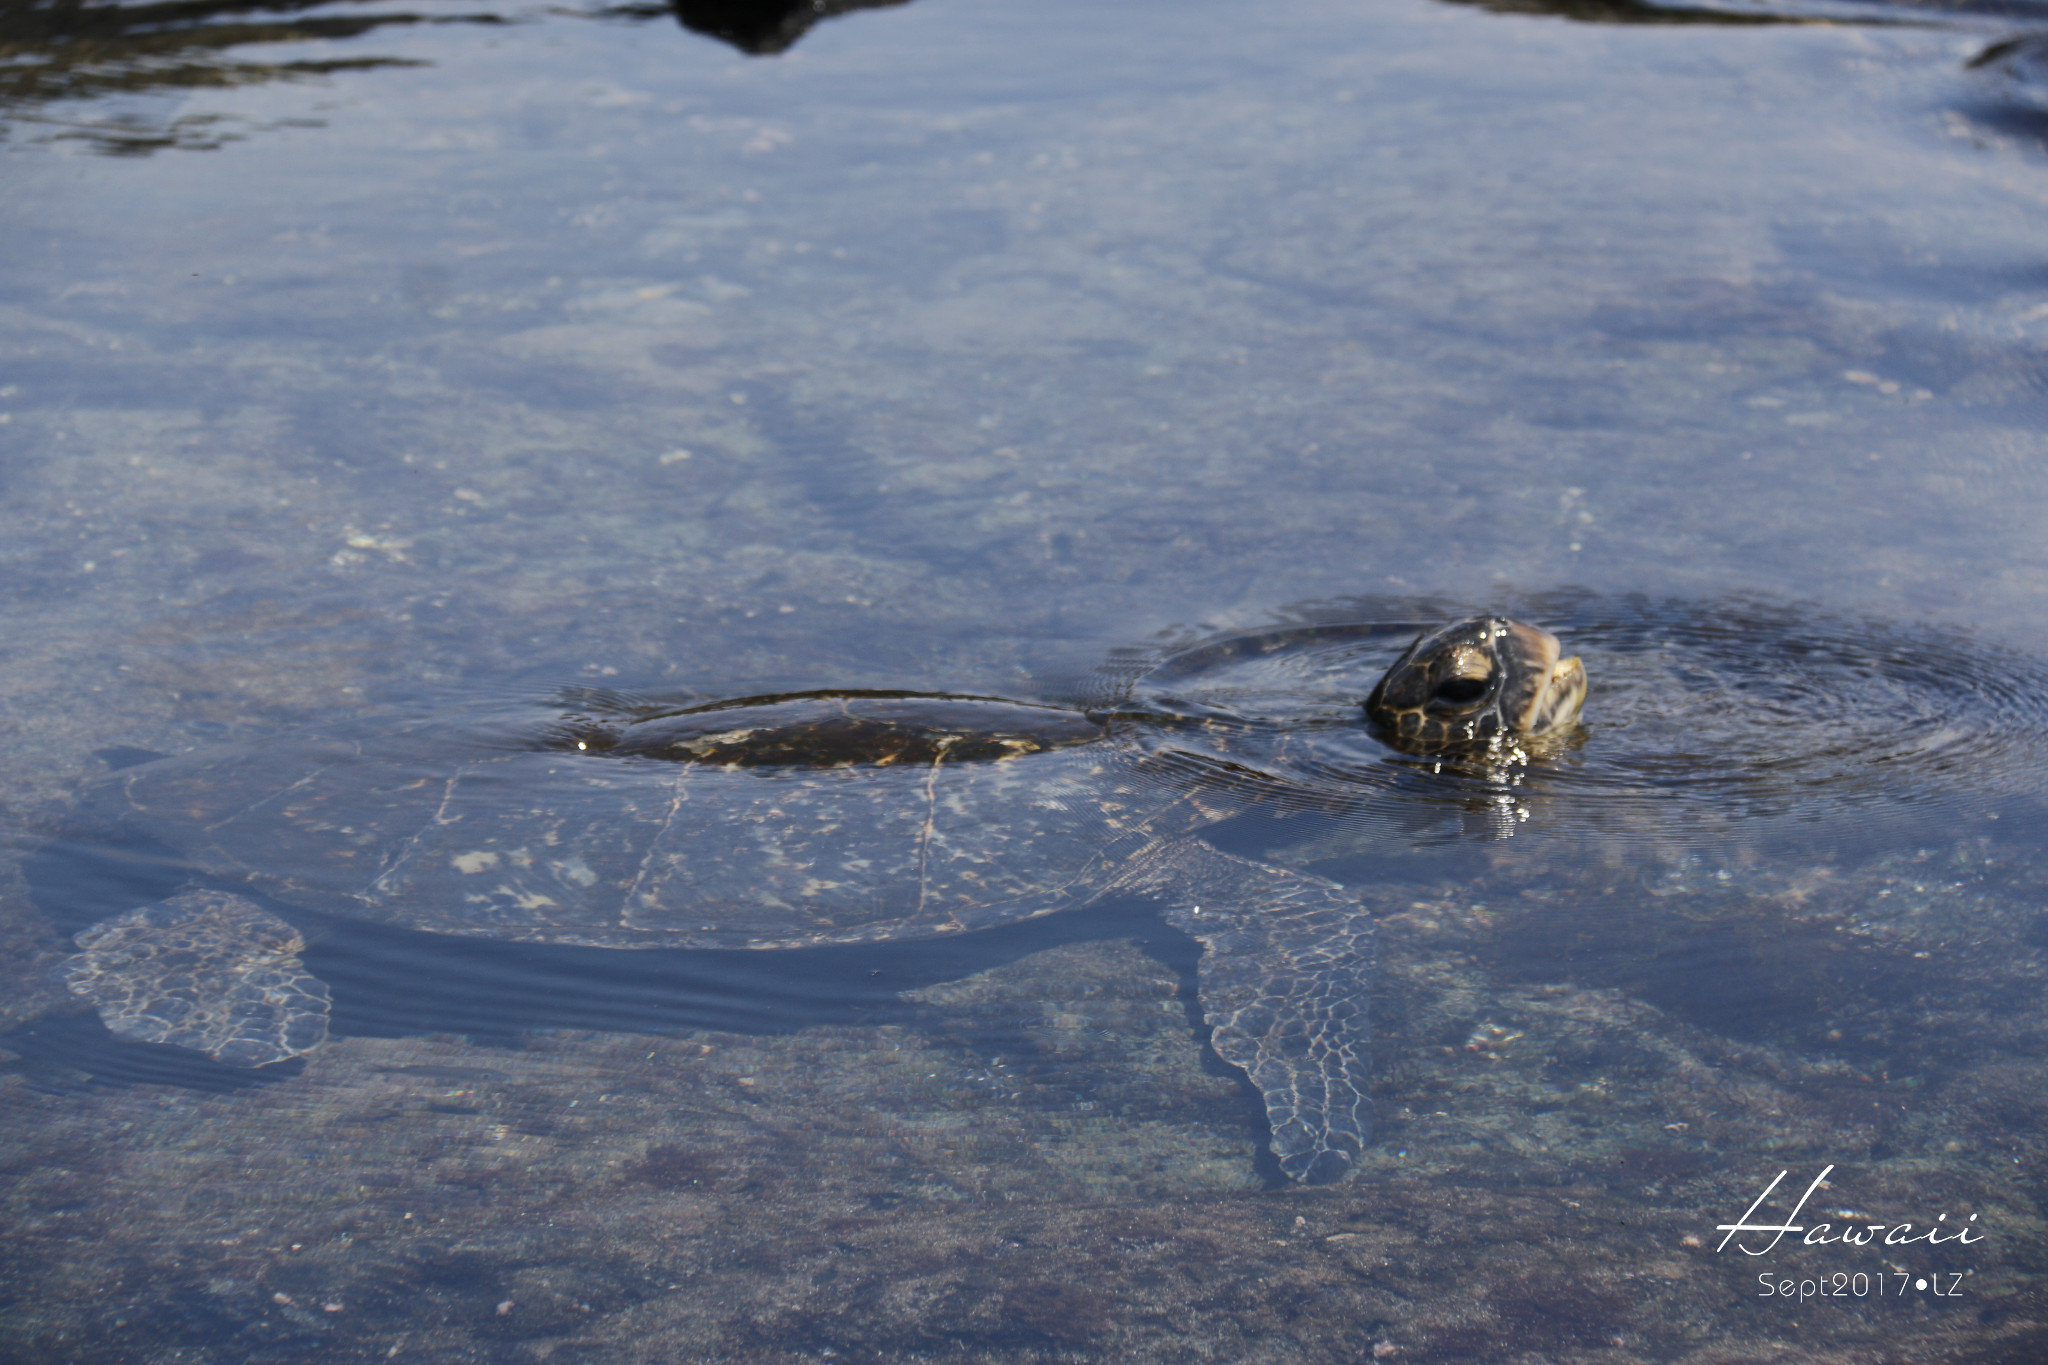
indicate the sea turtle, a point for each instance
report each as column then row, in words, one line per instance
column 782, row 822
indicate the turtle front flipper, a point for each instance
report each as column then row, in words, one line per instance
column 1286, row 978
column 206, row 970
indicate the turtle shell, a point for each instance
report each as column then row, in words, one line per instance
column 771, row 822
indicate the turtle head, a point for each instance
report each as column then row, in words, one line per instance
column 1477, row 683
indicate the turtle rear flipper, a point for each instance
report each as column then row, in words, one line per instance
column 206, row 970
column 1286, row 984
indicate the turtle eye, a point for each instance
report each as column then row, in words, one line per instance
column 1459, row 691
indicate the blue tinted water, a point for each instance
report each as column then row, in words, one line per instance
column 963, row 346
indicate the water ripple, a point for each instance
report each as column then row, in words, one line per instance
column 1701, row 718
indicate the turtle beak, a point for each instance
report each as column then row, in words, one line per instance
column 1559, row 685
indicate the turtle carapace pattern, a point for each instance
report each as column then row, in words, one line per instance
column 786, row 821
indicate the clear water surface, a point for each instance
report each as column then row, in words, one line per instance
column 364, row 362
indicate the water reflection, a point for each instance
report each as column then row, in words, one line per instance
column 1867, row 13
column 68, row 51
column 1634, row 12
column 59, row 52
column 762, row 28
column 90, row 56
column 2011, row 82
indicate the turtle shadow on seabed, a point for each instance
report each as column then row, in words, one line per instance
column 396, row 983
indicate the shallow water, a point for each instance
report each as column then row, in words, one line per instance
column 365, row 362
